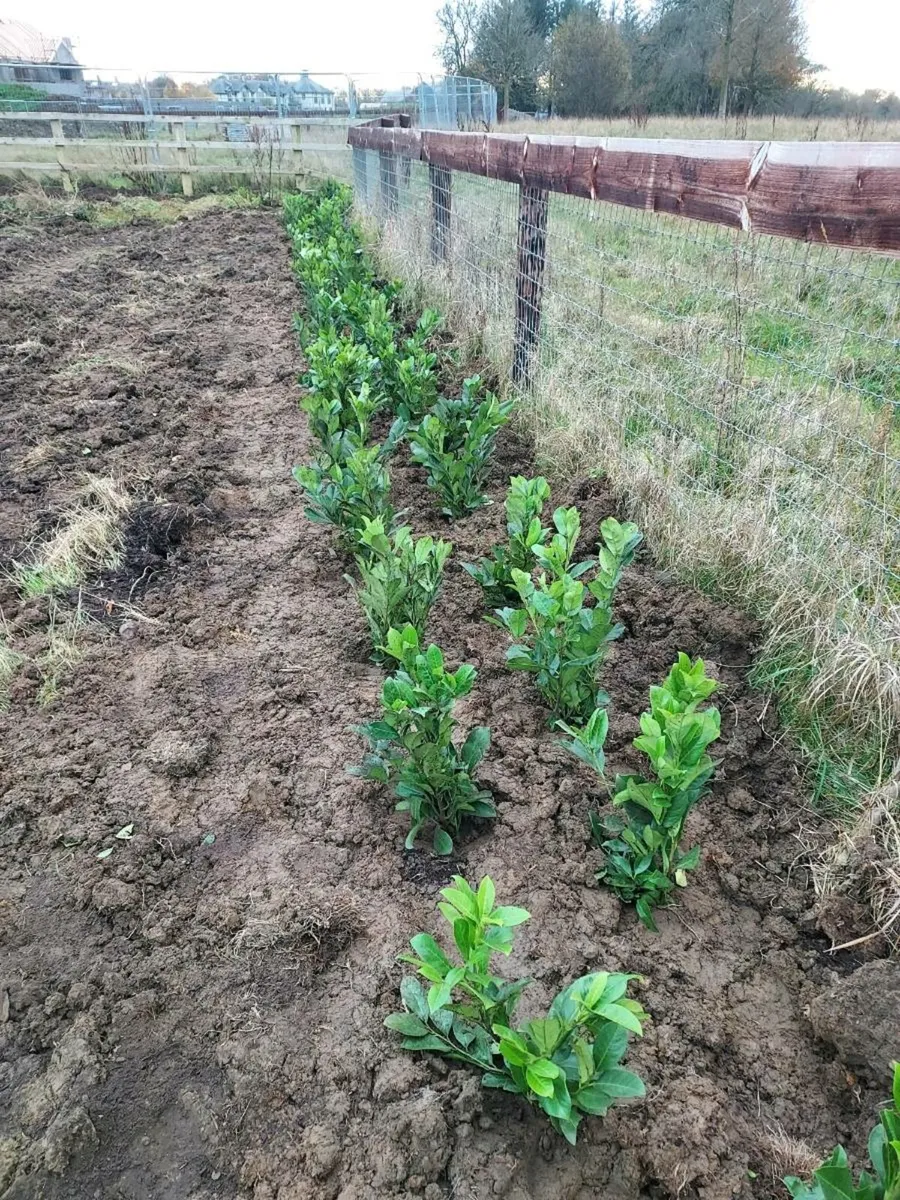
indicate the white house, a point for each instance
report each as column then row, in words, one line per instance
column 31, row 57
column 309, row 95
column 304, row 95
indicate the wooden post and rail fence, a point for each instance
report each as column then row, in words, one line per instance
column 278, row 140
column 844, row 194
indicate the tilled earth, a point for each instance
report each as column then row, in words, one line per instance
column 199, row 1013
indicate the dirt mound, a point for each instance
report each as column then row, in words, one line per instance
column 201, row 910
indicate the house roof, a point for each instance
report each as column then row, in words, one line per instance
column 305, row 85
column 20, row 41
column 229, row 84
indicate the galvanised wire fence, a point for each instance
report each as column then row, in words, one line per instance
column 741, row 392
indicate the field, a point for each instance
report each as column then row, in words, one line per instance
column 202, row 910
column 742, row 393
column 759, row 128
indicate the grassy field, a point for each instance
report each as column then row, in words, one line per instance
column 743, row 394
column 780, row 129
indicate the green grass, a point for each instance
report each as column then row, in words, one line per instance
column 839, row 768
column 741, row 394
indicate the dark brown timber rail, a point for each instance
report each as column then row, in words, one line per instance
column 839, row 193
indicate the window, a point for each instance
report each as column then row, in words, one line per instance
column 66, row 76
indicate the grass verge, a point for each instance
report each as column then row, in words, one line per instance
column 714, row 380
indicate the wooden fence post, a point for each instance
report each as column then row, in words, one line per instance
column 184, row 158
column 530, row 261
column 387, row 163
column 56, row 132
column 297, row 155
column 361, row 176
column 440, row 212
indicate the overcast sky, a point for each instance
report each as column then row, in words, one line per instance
column 858, row 41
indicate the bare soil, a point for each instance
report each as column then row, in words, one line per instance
column 199, row 1014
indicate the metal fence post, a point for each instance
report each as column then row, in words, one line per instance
column 440, row 212
column 530, row 261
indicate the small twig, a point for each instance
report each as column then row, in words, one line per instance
column 859, row 941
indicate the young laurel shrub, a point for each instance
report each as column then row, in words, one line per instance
column 643, row 860
column 408, row 370
column 349, row 491
column 454, row 442
column 413, row 746
column 563, row 640
column 833, row 1180
column 400, row 579
column 524, row 505
column 337, row 367
column 566, row 1064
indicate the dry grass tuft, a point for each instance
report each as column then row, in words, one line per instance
column 865, row 860
column 10, row 661
column 63, row 652
column 88, row 538
column 309, row 928
column 86, row 363
column 791, row 1156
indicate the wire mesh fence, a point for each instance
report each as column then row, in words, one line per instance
column 741, row 392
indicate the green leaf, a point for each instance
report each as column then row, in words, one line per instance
column 622, row 1016
column 408, row 1024
column 463, row 903
column 836, row 1182
column 610, row 1044
column 410, row 840
column 486, row 894
column 512, row 1047
column 621, row 1084
column 593, row 1099
column 475, row 746
column 432, row 1042
column 493, row 1079
column 430, row 952
column 689, row 861
column 443, row 842
column 540, row 1076
column 509, row 915
column 413, row 996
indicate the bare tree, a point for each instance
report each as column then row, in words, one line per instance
column 509, row 52
column 457, row 20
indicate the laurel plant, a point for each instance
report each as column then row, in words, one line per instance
column 641, row 843
column 566, row 1064
column 347, row 493
column 400, row 577
column 413, row 744
column 561, row 637
column 524, row 505
column 454, row 443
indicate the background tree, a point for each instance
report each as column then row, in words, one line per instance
column 766, row 58
column 457, row 20
column 509, row 52
column 591, row 70
column 546, row 15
